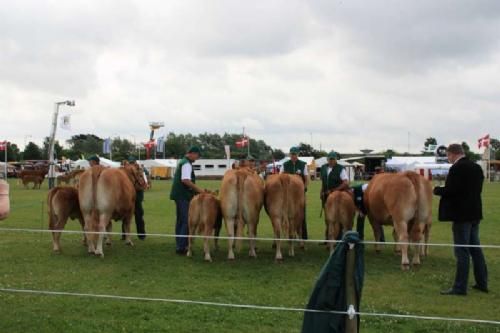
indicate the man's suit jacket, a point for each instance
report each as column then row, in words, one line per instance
column 461, row 195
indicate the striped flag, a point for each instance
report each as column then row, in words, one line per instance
column 106, row 146
column 3, row 145
column 160, row 144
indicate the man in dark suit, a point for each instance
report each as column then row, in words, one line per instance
column 461, row 203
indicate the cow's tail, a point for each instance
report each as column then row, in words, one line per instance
column 240, row 186
column 285, row 185
column 416, row 181
column 95, row 173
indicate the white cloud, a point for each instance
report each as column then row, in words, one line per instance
column 354, row 74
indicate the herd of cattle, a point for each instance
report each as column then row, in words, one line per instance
column 403, row 200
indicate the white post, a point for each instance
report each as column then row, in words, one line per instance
column 6, row 144
column 51, row 145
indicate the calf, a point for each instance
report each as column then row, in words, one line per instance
column 339, row 215
column 204, row 217
column 284, row 203
column 63, row 204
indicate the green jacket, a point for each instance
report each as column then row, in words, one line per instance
column 179, row 190
column 332, row 180
column 296, row 168
column 329, row 293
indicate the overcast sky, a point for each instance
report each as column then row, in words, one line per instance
column 345, row 74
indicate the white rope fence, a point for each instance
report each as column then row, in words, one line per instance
column 81, row 232
column 243, row 306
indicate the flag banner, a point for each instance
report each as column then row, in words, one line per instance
column 3, row 145
column 106, row 146
column 242, row 143
column 484, row 141
column 150, row 144
column 65, row 122
column 227, row 148
column 160, row 144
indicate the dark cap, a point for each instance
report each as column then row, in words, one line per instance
column 94, row 158
column 194, row 149
column 294, row 150
column 332, row 155
column 132, row 159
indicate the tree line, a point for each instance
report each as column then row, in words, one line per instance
column 175, row 146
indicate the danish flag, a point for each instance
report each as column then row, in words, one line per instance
column 3, row 145
column 242, row 143
column 484, row 141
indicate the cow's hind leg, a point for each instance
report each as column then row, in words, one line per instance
column 416, row 235
column 230, row 237
column 276, row 222
column 252, row 233
column 126, row 225
column 109, row 230
column 206, row 243
column 101, row 228
column 401, row 228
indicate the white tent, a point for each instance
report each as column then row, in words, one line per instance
column 169, row 163
column 103, row 161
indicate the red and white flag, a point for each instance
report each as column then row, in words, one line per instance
column 484, row 141
column 3, row 145
column 242, row 143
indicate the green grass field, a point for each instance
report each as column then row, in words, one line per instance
column 152, row 269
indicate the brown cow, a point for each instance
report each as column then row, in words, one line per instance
column 106, row 194
column 63, row 204
column 339, row 214
column 242, row 196
column 405, row 201
column 284, row 203
column 205, row 217
column 33, row 176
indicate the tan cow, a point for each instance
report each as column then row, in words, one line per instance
column 63, row 204
column 339, row 215
column 284, row 203
column 4, row 200
column 242, row 196
column 106, row 194
column 403, row 200
column 205, row 217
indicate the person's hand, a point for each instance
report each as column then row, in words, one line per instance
column 305, row 189
column 437, row 190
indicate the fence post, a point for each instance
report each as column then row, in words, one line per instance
column 352, row 318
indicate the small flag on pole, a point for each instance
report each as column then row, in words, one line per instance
column 227, row 148
column 106, row 146
column 484, row 141
column 242, row 143
column 160, row 143
column 66, row 122
column 3, row 145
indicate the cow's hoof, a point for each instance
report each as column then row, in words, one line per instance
column 208, row 258
column 108, row 243
column 278, row 260
column 56, row 251
column 99, row 254
column 129, row 243
column 230, row 256
column 405, row 267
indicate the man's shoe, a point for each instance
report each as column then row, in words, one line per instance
column 181, row 251
column 483, row 289
column 452, row 291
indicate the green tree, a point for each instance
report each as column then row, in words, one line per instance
column 389, row 153
column 495, row 145
column 58, row 149
column 430, row 141
column 13, row 154
column 278, row 154
column 84, row 144
column 469, row 154
column 122, row 149
column 32, row 152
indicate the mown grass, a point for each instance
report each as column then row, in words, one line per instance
column 151, row 269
